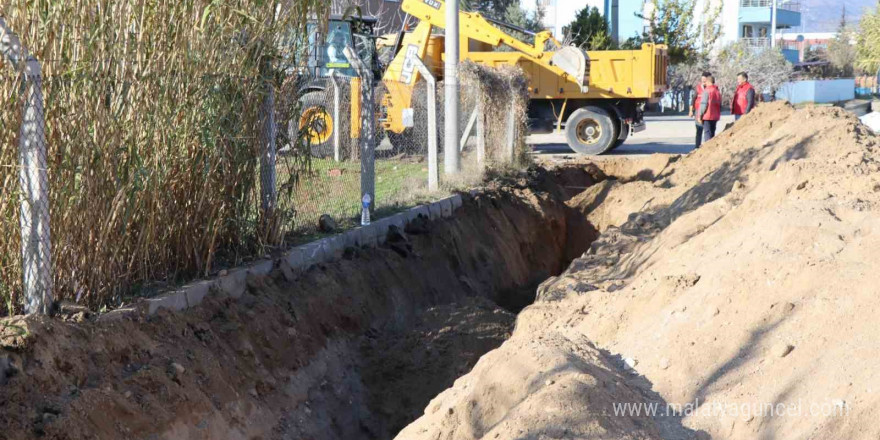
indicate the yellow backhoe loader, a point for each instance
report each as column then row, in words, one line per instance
column 597, row 96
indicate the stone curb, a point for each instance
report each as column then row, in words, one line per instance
column 300, row 258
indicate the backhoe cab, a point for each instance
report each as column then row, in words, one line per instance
column 327, row 45
column 326, row 57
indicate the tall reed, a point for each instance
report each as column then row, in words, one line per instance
column 152, row 118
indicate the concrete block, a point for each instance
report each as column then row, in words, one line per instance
column 435, row 210
column 262, row 267
column 117, row 315
column 335, row 246
column 355, row 237
column 233, row 283
column 174, row 301
column 196, row 293
column 311, row 254
column 369, row 234
column 286, row 270
column 325, row 250
column 372, row 240
column 457, row 201
column 294, row 260
column 423, row 210
column 400, row 220
column 381, row 229
column 413, row 213
column 349, row 238
column 446, row 207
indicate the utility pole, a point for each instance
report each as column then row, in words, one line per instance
column 451, row 158
column 773, row 23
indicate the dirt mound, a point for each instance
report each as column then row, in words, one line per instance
column 293, row 358
column 548, row 387
column 739, row 281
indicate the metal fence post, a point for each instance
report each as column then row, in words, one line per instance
column 36, row 250
column 481, row 135
column 433, row 165
column 452, row 103
column 468, row 129
column 337, row 132
column 511, row 132
column 268, row 134
column 368, row 127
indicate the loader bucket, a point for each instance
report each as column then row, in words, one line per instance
column 576, row 63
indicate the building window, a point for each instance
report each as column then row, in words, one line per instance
column 748, row 31
column 762, row 33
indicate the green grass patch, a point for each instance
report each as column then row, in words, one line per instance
column 334, row 188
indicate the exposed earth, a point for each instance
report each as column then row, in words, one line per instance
column 728, row 293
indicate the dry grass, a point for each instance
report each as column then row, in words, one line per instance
column 152, row 111
column 153, row 121
column 501, row 91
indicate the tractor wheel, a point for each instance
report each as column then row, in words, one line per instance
column 591, row 130
column 317, row 125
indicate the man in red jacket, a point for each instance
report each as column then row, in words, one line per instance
column 744, row 97
column 710, row 108
column 695, row 106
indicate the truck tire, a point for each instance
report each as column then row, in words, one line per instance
column 621, row 138
column 316, row 123
column 591, row 131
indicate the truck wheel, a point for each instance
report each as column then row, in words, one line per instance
column 590, row 130
column 316, row 123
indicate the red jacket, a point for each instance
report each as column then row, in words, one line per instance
column 698, row 98
column 740, row 104
column 713, row 110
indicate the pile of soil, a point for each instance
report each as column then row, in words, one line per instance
column 738, row 282
column 347, row 350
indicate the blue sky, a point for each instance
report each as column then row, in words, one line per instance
column 818, row 15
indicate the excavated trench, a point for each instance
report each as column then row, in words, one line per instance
column 353, row 349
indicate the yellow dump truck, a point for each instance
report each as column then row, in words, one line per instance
column 599, row 97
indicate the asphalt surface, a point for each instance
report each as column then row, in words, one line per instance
column 664, row 134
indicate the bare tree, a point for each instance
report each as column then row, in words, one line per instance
column 390, row 15
column 682, row 79
column 767, row 68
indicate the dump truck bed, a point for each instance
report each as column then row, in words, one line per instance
column 614, row 74
column 632, row 74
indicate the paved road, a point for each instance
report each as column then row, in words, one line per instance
column 664, row 134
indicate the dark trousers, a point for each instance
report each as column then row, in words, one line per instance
column 699, row 136
column 709, row 130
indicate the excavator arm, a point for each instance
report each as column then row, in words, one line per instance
column 568, row 63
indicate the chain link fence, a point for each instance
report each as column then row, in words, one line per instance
column 318, row 162
column 32, row 192
column 36, row 250
column 146, row 194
